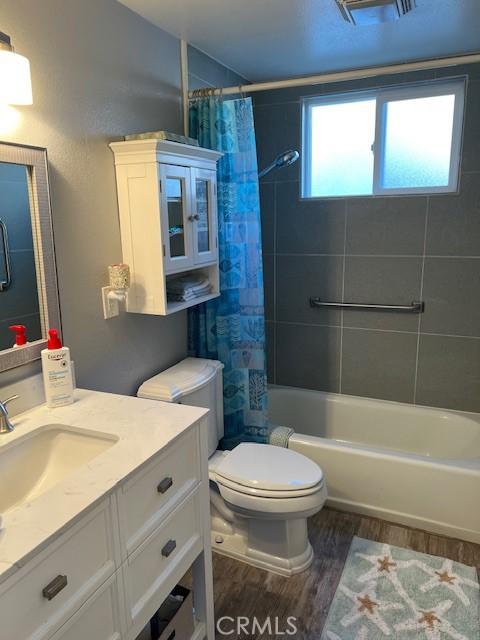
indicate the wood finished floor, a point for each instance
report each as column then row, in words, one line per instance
column 241, row 590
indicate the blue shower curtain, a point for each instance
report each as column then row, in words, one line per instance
column 231, row 328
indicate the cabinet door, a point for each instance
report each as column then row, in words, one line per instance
column 100, row 618
column 204, row 189
column 176, row 212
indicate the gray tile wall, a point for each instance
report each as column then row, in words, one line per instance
column 387, row 250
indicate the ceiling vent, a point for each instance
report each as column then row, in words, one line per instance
column 360, row 12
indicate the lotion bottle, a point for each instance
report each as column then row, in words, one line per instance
column 57, row 372
column 20, row 337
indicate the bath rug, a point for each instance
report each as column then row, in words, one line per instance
column 389, row 592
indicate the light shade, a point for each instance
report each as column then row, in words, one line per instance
column 15, row 80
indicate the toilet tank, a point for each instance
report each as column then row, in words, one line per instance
column 195, row 382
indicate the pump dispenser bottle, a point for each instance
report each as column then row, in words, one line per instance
column 20, row 337
column 57, row 372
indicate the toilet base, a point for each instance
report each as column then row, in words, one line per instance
column 281, row 547
column 233, row 546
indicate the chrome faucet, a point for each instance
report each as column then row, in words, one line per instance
column 5, row 425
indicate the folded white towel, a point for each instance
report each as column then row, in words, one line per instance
column 186, row 296
column 184, row 284
column 188, row 290
column 175, row 297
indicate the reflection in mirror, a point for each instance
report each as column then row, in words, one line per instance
column 28, row 275
column 19, row 302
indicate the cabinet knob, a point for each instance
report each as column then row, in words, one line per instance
column 194, row 217
column 54, row 587
column 169, row 548
column 165, row 485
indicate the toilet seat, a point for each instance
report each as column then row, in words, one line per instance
column 263, row 493
column 269, row 481
column 268, row 471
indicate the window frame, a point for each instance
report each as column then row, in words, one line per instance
column 408, row 91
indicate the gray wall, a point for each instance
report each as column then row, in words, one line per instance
column 387, row 250
column 99, row 71
column 206, row 72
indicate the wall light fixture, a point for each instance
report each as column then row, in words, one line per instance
column 15, row 80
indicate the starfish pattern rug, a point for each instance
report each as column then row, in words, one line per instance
column 389, row 592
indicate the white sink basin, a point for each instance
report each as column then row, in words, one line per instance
column 34, row 464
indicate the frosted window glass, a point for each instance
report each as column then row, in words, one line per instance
column 342, row 135
column 418, row 142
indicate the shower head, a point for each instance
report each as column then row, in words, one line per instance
column 285, row 159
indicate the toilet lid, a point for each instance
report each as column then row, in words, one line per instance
column 264, row 466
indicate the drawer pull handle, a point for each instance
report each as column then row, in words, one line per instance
column 165, row 485
column 168, row 548
column 54, row 587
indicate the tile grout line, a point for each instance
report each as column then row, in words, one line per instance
column 275, row 283
column 376, row 330
column 375, row 255
column 419, row 326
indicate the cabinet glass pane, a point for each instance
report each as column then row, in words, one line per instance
column 176, row 229
column 203, row 221
column 418, row 142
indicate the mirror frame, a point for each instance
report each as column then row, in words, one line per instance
column 35, row 159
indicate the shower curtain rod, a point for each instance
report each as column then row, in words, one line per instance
column 353, row 74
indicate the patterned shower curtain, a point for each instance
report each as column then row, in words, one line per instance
column 231, row 328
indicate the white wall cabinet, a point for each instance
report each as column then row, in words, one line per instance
column 168, row 219
column 105, row 576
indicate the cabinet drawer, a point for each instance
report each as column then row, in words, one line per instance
column 159, row 563
column 99, row 618
column 151, row 494
column 48, row 590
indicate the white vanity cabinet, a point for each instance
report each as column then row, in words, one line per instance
column 167, row 199
column 105, row 576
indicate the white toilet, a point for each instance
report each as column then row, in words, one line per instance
column 260, row 495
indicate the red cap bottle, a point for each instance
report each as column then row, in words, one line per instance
column 20, row 337
column 54, row 341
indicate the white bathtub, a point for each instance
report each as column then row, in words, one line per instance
column 408, row 464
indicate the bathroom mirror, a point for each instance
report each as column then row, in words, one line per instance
column 28, row 279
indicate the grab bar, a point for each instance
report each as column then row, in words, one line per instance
column 415, row 307
column 4, row 284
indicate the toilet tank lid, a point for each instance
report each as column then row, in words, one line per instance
column 172, row 384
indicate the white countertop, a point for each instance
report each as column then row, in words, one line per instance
column 143, row 428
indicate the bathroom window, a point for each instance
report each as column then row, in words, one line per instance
column 396, row 140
